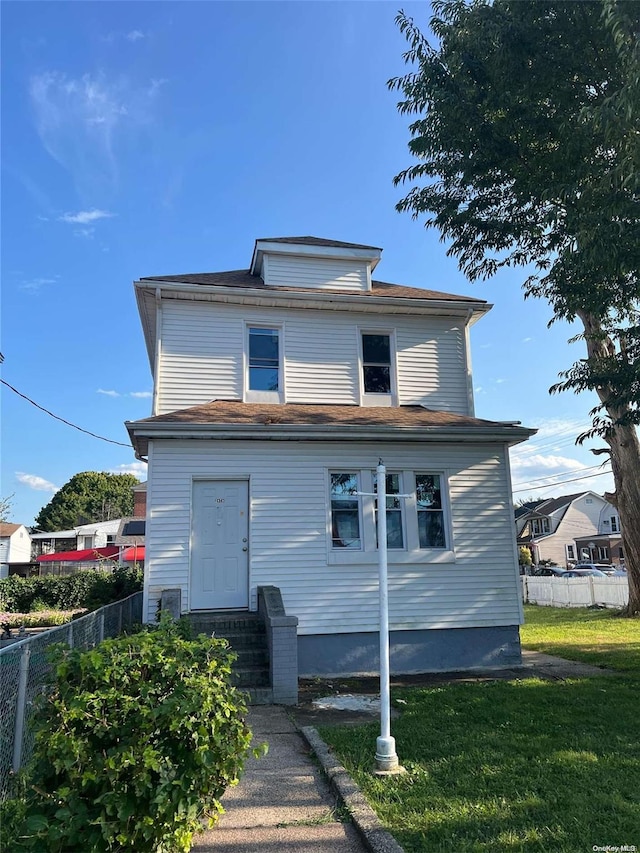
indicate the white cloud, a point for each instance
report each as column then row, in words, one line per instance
column 35, row 482
column 542, row 465
column 87, row 233
column 84, row 217
column 134, row 35
column 107, row 393
column 526, row 340
column 81, row 121
column 138, row 469
column 33, row 285
column 500, row 381
column 141, row 394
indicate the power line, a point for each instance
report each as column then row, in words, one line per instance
column 551, row 485
column 68, row 423
column 561, row 474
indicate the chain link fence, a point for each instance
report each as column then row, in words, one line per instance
column 24, row 672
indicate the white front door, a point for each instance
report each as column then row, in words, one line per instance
column 220, row 545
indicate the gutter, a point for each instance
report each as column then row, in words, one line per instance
column 505, row 434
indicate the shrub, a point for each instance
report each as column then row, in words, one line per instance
column 40, row 618
column 89, row 589
column 136, row 743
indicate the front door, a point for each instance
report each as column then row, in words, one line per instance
column 220, row 545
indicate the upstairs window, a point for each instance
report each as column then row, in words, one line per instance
column 571, row 554
column 376, row 363
column 614, row 524
column 431, row 530
column 264, row 359
column 539, row 526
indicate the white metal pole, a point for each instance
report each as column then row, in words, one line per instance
column 386, row 758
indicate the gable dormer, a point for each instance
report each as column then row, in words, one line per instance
column 314, row 263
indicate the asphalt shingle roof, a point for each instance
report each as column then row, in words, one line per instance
column 236, row 412
column 243, row 278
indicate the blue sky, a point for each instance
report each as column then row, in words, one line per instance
column 149, row 138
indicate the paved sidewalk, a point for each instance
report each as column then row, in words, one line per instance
column 282, row 802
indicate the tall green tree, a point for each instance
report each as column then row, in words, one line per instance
column 88, row 497
column 527, row 144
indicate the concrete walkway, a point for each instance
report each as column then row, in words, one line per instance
column 282, row 803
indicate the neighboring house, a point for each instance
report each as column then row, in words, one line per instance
column 550, row 528
column 604, row 546
column 90, row 545
column 15, row 546
column 276, row 390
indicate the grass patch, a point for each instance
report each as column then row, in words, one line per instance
column 599, row 637
column 527, row 765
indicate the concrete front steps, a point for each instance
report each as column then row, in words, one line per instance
column 247, row 637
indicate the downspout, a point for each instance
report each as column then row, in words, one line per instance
column 156, row 366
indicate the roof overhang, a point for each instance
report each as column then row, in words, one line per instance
column 150, row 293
column 140, row 433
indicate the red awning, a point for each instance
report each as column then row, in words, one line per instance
column 133, row 554
column 88, row 555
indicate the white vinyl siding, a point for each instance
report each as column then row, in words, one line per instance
column 290, row 533
column 202, row 355
column 317, row 273
column 431, row 365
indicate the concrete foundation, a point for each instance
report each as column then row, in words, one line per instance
column 434, row 650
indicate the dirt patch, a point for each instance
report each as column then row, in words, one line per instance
column 305, row 713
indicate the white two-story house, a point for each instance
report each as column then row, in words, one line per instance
column 276, row 390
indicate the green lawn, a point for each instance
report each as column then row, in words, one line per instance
column 516, row 766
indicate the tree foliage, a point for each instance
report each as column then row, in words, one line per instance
column 88, row 497
column 527, row 145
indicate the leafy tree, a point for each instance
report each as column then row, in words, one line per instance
column 528, row 154
column 524, row 557
column 88, row 497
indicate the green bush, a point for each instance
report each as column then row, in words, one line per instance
column 40, row 618
column 90, row 589
column 136, row 743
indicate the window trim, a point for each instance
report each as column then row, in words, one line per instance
column 443, row 509
column 401, row 509
column 369, row 398
column 411, row 554
column 361, row 525
column 253, row 396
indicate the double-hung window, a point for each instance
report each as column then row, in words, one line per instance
column 395, row 535
column 431, row 528
column 264, row 379
column 376, row 363
column 345, row 511
column 264, row 359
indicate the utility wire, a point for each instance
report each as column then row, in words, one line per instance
column 561, row 474
column 68, row 423
column 552, row 485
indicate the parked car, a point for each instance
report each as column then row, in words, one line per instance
column 584, row 573
column 605, row 568
column 549, row 571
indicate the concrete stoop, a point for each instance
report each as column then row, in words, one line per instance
column 248, row 639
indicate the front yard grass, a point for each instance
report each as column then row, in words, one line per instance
column 526, row 765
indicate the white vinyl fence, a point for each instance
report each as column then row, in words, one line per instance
column 576, row 592
column 25, row 668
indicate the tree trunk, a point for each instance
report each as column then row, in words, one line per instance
column 625, row 463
